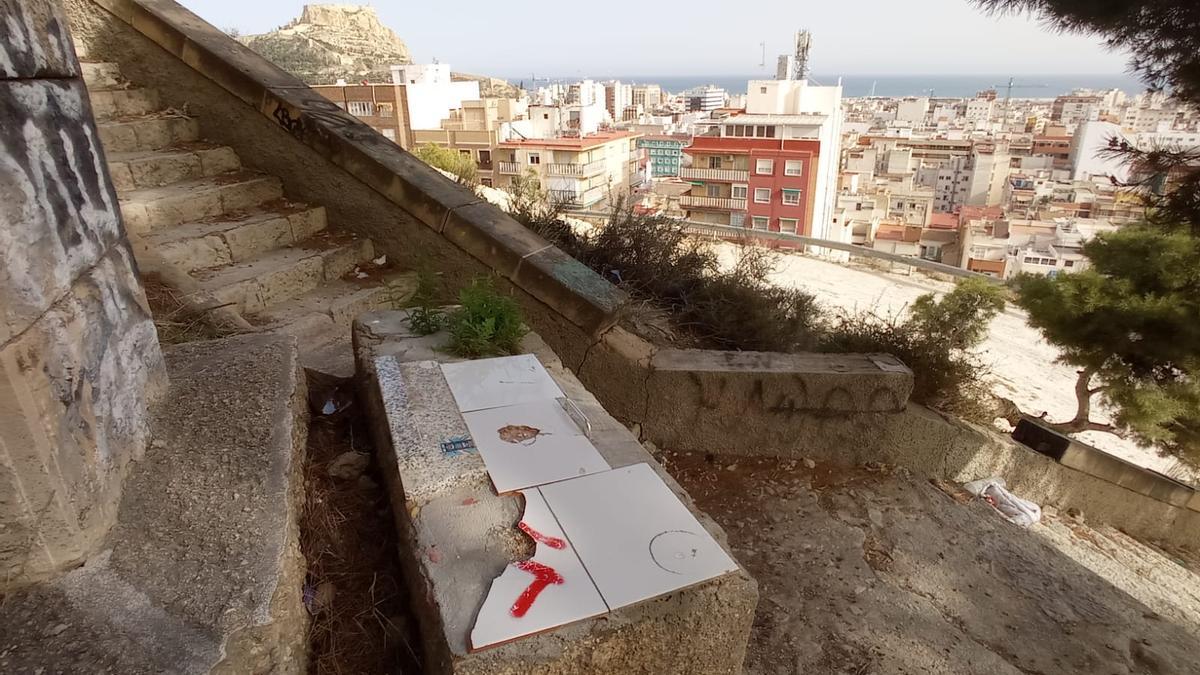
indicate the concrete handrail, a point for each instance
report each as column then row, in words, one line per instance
column 482, row 230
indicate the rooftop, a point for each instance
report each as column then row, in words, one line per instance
column 572, row 143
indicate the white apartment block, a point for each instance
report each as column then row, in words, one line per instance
column 431, row 93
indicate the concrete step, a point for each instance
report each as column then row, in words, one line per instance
column 147, row 132
column 114, row 102
column 253, row 287
column 100, row 74
column 239, row 236
column 189, row 201
column 340, row 300
column 156, row 168
column 203, row 571
column 321, row 319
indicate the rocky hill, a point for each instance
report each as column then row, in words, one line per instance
column 328, row 42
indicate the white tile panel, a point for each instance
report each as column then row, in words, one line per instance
column 518, row 604
column 532, row 444
column 634, row 536
column 507, row 380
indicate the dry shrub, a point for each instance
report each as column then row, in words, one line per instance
column 653, row 258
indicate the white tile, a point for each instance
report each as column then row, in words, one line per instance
column 634, row 536
column 572, row 596
column 532, row 444
column 507, row 380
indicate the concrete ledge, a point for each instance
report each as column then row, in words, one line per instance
column 479, row 228
column 458, row 535
column 203, row 571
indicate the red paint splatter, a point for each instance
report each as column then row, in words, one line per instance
column 434, row 554
column 469, row 501
column 552, row 542
column 543, row 576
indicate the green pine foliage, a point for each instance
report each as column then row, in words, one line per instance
column 1131, row 324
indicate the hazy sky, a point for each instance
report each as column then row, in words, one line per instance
column 648, row 37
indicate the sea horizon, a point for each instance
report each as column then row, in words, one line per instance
column 950, row 86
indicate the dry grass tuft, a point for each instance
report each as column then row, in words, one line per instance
column 174, row 323
column 361, row 621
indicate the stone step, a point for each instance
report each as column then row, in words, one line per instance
column 339, row 300
column 147, row 132
column 203, row 571
column 321, row 319
column 253, row 287
column 100, row 74
column 114, row 102
column 239, row 236
column 156, row 168
column 150, row 209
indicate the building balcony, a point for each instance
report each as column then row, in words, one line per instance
column 510, row 168
column 723, row 203
column 589, row 169
column 575, row 199
column 729, row 175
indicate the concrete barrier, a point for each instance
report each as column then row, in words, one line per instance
column 458, row 535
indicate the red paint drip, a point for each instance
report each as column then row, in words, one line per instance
column 552, row 542
column 469, row 501
column 543, row 576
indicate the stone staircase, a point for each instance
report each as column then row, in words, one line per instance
column 232, row 229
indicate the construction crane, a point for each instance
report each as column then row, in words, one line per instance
column 1008, row 91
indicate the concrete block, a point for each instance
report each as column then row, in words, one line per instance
column 458, row 535
column 115, row 103
column 203, row 572
column 50, row 237
column 271, row 279
column 1100, row 464
column 37, row 41
column 75, row 388
column 163, row 167
column 98, row 74
column 342, row 260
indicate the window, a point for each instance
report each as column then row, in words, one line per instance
column 389, row 134
column 764, row 166
column 738, row 191
column 788, row 225
column 485, row 156
column 385, row 109
column 762, row 90
column 714, row 190
column 714, row 162
column 762, row 195
column 487, row 182
column 791, row 197
column 465, row 153
column 760, row 222
column 535, row 159
column 361, row 108
column 1068, row 263
column 793, row 167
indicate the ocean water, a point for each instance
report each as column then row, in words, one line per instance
column 956, row 86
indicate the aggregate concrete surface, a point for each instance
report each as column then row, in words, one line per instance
column 202, row 572
column 873, row 570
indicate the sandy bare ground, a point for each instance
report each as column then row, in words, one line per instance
column 1023, row 365
column 873, row 571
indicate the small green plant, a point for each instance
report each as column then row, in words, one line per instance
column 487, row 324
column 424, row 317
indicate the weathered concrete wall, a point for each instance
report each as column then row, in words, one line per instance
column 79, row 357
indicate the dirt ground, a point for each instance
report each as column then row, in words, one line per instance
column 872, row 570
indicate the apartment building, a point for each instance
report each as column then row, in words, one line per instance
column 382, row 106
column 704, row 99
column 475, row 130
column 774, row 167
column 431, row 92
column 664, row 153
column 975, row 180
column 581, row 172
column 648, row 96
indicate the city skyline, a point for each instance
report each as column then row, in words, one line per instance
column 883, row 38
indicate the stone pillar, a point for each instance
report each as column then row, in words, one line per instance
column 79, row 356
